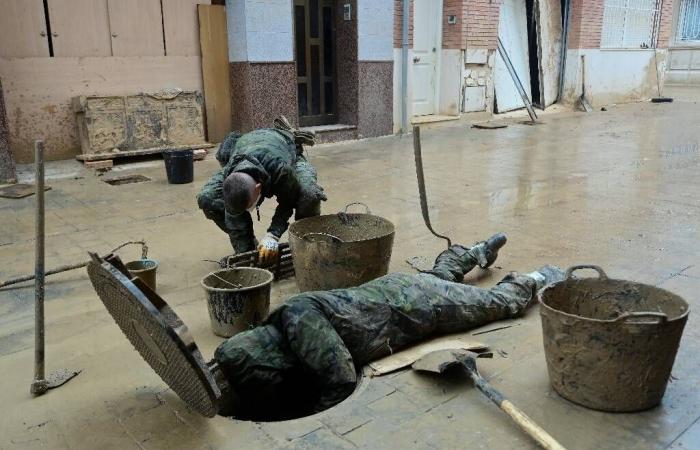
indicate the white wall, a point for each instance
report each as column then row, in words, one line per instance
column 260, row 31
column 38, row 93
column 451, row 64
column 683, row 66
column 613, row 76
column 375, row 30
column 398, row 101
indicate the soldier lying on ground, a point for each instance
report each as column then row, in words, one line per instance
column 258, row 165
column 309, row 350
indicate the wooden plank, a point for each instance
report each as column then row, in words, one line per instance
column 79, row 27
column 181, row 27
column 22, row 29
column 137, row 27
column 215, row 70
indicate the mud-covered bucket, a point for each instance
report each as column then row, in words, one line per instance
column 340, row 250
column 145, row 270
column 610, row 344
column 238, row 299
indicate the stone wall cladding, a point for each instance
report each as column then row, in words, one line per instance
column 262, row 91
column 375, row 103
column 346, row 65
column 7, row 164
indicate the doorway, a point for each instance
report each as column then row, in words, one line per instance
column 427, row 45
column 315, row 58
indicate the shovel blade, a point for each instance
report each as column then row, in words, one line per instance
column 441, row 360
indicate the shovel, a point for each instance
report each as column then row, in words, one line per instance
column 441, row 360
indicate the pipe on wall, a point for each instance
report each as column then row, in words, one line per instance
column 404, row 67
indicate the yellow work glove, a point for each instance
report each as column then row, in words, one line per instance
column 268, row 249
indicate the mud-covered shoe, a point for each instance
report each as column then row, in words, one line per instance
column 486, row 252
column 546, row 275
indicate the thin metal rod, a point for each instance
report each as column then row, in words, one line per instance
column 404, row 67
column 39, row 265
column 516, row 80
column 421, row 185
column 564, row 49
column 67, row 267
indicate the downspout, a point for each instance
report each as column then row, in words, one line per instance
column 404, row 68
column 564, row 47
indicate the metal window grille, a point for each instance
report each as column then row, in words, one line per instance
column 689, row 21
column 629, row 23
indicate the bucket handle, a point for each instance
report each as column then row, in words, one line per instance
column 601, row 274
column 330, row 237
column 662, row 318
column 367, row 211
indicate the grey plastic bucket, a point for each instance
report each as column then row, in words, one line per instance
column 340, row 250
column 238, row 299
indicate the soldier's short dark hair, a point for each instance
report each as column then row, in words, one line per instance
column 238, row 192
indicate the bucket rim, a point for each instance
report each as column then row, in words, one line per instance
column 683, row 316
column 154, row 261
column 391, row 231
column 269, row 274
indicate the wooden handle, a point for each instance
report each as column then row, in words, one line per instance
column 531, row 428
column 520, row 418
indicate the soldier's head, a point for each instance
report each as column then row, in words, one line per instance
column 241, row 192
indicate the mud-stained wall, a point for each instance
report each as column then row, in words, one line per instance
column 38, row 93
column 613, row 76
column 7, row 165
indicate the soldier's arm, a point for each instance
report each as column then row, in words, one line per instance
column 319, row 348
column 286, row 188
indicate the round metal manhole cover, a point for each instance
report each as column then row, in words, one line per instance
column 158, row 335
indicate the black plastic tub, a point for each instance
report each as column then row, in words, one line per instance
column 179, row 166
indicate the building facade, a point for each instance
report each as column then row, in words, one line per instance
column 336, row 65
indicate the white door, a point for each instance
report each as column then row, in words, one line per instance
column 512, row 29
column 427, row 42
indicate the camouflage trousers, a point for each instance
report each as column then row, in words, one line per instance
column 327, row 336
column 239, row 227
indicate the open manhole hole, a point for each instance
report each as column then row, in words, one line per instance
column 295, row 397
column 126, row 179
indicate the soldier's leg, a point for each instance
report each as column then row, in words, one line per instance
column 459, row 307
column 311, row 195
column 455, row 262
column 211, row 200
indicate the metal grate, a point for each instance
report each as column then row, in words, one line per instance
column 689, row 21
column 629, row 23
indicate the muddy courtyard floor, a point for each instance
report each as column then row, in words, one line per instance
column 617, row 188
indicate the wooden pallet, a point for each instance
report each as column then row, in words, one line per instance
column 146, row 151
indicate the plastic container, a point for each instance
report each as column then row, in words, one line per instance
column 610, row 344
column 179, row 166
column 238, row 299
column 145, row 270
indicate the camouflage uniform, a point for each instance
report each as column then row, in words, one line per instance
column 314, row 344
column 271, row 157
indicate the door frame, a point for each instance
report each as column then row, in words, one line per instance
column 438, row 60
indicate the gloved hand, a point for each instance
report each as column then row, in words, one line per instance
column 268, row 248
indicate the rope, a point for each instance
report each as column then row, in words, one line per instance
column 300, row 137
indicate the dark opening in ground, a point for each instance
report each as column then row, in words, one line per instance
column 126, row 179
column 295, row 397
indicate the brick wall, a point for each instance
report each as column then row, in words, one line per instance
column 586, row 23
column 481, row 23
column 453, row 35
column 398, row 21
column 666, row 23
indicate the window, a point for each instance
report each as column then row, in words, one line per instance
column 629, row 23
column 689, row 22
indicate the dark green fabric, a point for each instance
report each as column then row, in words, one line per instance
column 271, row 157
column 331, row 334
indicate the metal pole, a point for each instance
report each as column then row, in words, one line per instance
column 404, row 67
column 39, row 384
column 564, row 49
